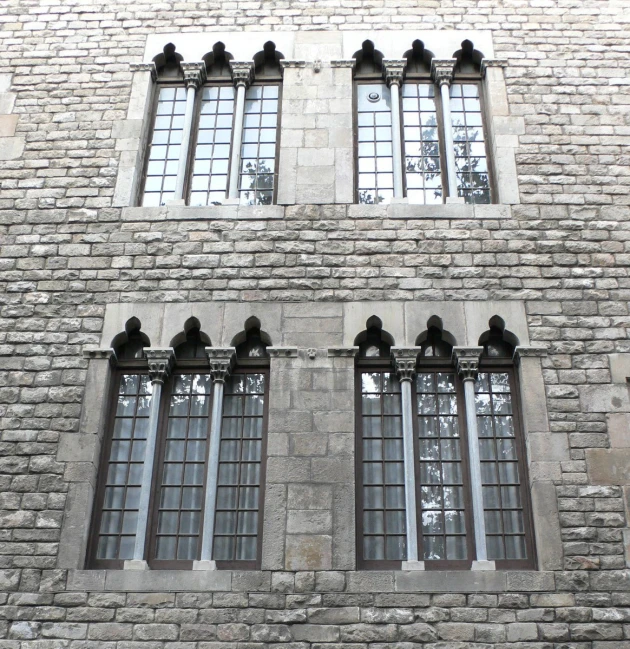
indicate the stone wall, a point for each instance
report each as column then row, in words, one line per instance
column 67, row 251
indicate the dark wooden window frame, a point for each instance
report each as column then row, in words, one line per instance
column 255, row 366
column 436, row 365
column 138, row 366
column 507, row 366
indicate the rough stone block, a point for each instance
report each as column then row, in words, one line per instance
column 308, row 552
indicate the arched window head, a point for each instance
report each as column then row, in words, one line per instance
column 435, row 346
column 191, row 343
column 129, row 345
column 168, row 63
column 267, row 63
column 374, row 342
column 369, row 61
column 497, row 342
column 418, row 60
column 468, row 59
column 218, row 63
column 253, row 347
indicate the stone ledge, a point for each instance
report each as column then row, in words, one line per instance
column 207, row 213
column 431, row 581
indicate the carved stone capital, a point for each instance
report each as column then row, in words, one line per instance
column 467, row 361
column 194, row 74
column 528, row 351
column 104, row 354
column 242, row 73
column 144, row 67
column 405, row 361
column 343, row 352
column 442, row 71
column 221, row 361
column 492, row 63
column 160, row 362
column 393, row 71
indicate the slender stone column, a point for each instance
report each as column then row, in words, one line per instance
column 467, row 359
column 405, row 359
column 194, row 76
column 442, row 73
column 221, row 361
column 160, row 365
column 242, row 77
column 394, row 77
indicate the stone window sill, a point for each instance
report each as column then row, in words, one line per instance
column 355, row 582
column 272, row 212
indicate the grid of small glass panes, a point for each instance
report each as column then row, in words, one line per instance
column 422, row 148
column 210, row 172
column 121, row 499
column 258, row 151
column 505, row 525
column 374, row 148
column 384, row 520
column 182, row 476
column 473, row 181
column 240, row 455
column 164, row 150
column 441, row 472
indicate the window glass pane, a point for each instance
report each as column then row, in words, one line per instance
column 240, row 457
column 179, row 506
column 440, row 459
column 383, row 469
column 117, row 531
column 422, row 148
column 375, row 143
column 473, row 181
column 499, row 467
column 211, row 162
column 164, row 147
column 256, row 179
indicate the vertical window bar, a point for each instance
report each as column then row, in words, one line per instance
column 443, row 502
column 383, row 475
column 375, row 160
column 473, row 181
column 180, row 494
column 423, row 171
column 394, row 78
column 503, row 507
column 258, row 150
column 210, row 171
column 240, row 455
column 119, row 516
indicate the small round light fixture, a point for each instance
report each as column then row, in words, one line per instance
column 373, row 97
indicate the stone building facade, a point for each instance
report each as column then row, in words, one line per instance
column 312, row 287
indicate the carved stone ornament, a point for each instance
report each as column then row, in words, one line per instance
column 343, row 63
column 105, row 353
column 144, row 67
column 160, row 363
column 221, row 360
column 194, row 74
column 442, row 71
column 311, row 352
column 292, row 63
column 343, row 352
column 528, row 351
column 467, row 361
column 393, row 70
column 282, row 352
column 242, row 72
column 405, row 361
column 492, row 63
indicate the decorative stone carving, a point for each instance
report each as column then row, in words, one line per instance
column 393, row 71
column 343, row 352
column 343, row 63
column 405, row 361
column 242, row 72
column 160, row 363
column 467, row 361
column 101, row 353
column 194, row 74
column 442, row 71
column 311, row 352
column 221, row 360
column 284, row 63
column 492, row 63
column 282, row 352
column 144, row 67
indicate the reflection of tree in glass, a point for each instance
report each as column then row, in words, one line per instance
column 367, row 198
column 260, row 178
column 473, row 182
column 428, row 162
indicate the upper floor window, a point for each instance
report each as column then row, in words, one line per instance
column 172, row 489
column 420, row 131
column 215, row 130
column 431, row 488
